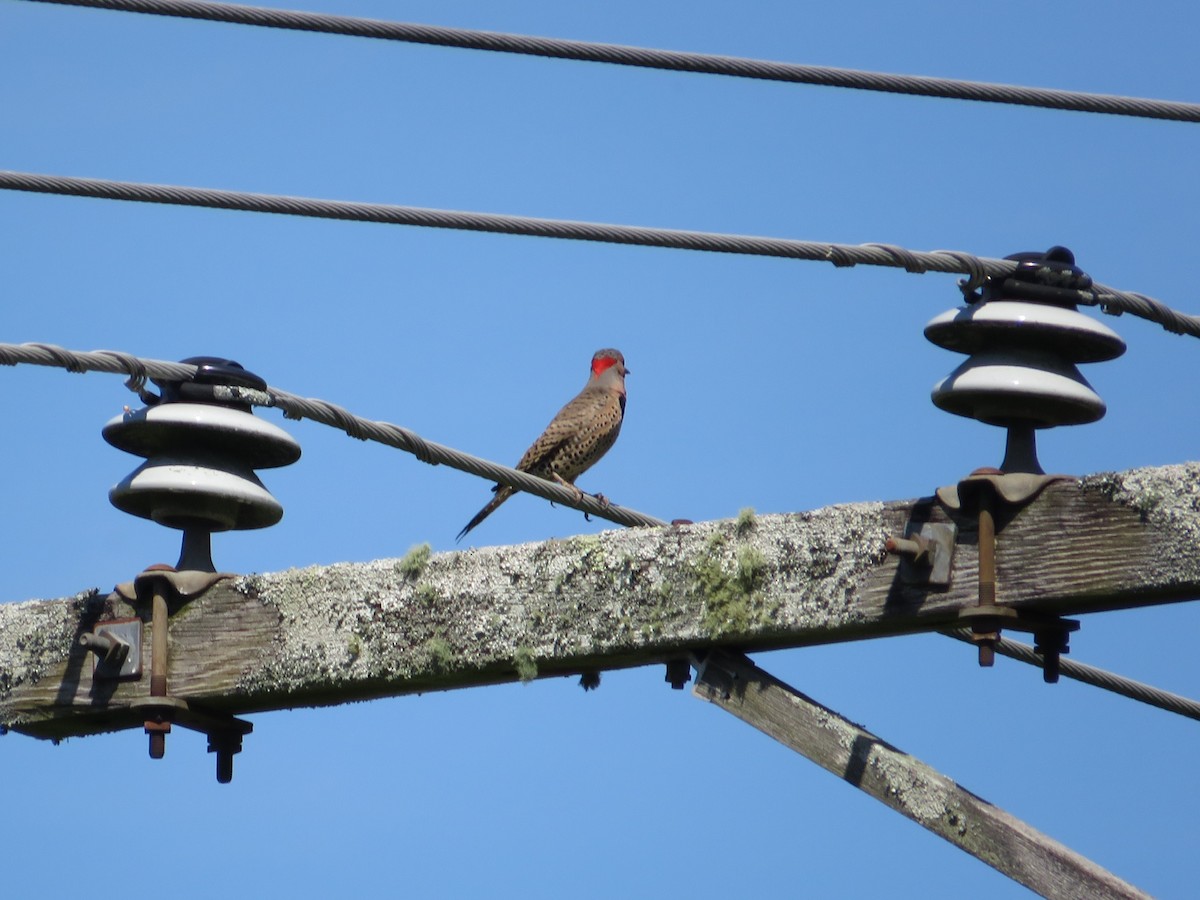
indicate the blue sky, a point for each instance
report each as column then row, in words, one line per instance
column 773, row 384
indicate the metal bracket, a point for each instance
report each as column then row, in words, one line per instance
column 981, row 493
column 117, row 649
column 158, row 587
column 926, row 553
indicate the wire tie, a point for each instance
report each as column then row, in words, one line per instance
column 976, row 276
column 420, row 449
column 348, row 423
column 839, row 257
column 64, row 358
column 906, row 258
column 285, row 406
column 136, row 382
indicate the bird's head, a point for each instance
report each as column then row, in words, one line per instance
column 609, row 364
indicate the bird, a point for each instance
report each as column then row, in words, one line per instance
column 582, row 432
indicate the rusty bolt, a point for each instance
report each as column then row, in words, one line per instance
column 918, row 547
column 108, row 648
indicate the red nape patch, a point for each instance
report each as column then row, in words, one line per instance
column 603, row 364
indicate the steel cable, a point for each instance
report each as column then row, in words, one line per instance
column 644, row 57
column 326, row 413
column 1118, row 684
column 1109, row 299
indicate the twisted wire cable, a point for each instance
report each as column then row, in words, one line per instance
column 326, row 413
column 644, row 57
column 1100, row 678
column 1110, row 300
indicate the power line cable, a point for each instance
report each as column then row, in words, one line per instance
column 620, row 54
column 296, row 407
column 1109, row 681
column 1110, row 300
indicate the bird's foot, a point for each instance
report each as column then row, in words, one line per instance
column 562, row 481
column 602, row 500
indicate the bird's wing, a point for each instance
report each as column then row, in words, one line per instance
column 561, row 429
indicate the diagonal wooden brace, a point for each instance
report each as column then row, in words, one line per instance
column 907, row 785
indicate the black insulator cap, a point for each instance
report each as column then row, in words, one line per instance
column 1049, row 277
column 210, row 371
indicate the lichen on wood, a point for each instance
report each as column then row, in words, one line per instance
column 330, row 634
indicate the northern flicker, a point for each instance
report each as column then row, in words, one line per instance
column 578, row 436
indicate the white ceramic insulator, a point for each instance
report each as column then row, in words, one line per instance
column 1021, row 366
column 1067, row 333
column 199, row 471
column 172, row 427
column 1007, row 387
column 221, row 495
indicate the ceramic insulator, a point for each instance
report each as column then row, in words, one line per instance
column 199, row 465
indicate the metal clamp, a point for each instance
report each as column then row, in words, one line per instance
column 982, row 492
column 926, row 553
column 159, row 587
column 117, row 649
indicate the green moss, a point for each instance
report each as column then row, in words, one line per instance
column 746, row 522
column 525, row 663
column 441, row 656
column 428, row 594
column 732, row 604
column 587, row 543
column 354, row 647
column 592, row 553
column 751, row 569
column 413, row 563
column 663, row 592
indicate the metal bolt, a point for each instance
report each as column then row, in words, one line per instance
column 679, row 673
column 100, row 644
column 927, row 553
column 110, row 649
column 1050, row 645
column 158, row 731
column 987, row 575
column 917, row 547
column 225, row 745
column 224, row 767
column 986, row 643
column 156, row 727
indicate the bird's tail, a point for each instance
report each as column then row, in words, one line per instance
column 503, row 492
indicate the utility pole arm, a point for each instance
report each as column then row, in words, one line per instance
column 333, row 634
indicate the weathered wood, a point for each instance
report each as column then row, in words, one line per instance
column 905, row 784
column 345, row 632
